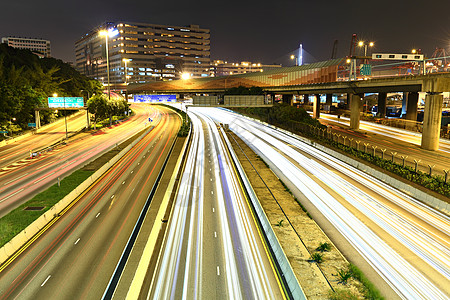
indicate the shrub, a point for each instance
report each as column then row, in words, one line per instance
column 317, row 257
column 344, row 275
column 324, row 247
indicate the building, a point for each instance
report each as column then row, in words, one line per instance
column 152, row 52
column 224, row 68
column 37, row 46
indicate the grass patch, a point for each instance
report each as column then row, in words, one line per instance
column 342, row 294
column 18, row 219
column 370, row 291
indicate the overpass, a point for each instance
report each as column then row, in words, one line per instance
column 327, row 78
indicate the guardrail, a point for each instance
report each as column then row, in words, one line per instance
column 283, row 263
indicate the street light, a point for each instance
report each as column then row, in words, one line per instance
column 107, row 34
column 296, row 59
column 126, row 60
column 362, row 44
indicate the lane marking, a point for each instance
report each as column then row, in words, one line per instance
column 218, row 271
column 212, row 193
column 44, row 177
column 215, row 234
column 15, row 179
column 213, row 209
column 45, row 281
column 112, row 196
column 11, row 195
column 123, row 182
column 132, row 172
column 76, row 242
column 97, row 215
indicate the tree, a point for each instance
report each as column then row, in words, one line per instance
column 98, row 106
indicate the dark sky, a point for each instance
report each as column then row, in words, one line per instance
column 257, row 31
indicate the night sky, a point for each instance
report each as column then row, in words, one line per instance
column 257, row 31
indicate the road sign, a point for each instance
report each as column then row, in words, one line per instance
column 65, row 102
column 31, row 124
column 366, row 70
column 155, row 98
column 3, row 131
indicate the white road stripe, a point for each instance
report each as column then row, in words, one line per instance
column 45, row 281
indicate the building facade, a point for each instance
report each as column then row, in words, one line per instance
column 152, row 52
column 224, row 68
column 37, row 46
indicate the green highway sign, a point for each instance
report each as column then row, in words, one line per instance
column 366, row 69
column 3, row 131
column 31, row 124
column 65, row 102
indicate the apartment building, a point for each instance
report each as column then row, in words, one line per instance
column 38, row 46
column 150, row 52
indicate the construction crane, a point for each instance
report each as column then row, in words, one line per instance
column 353, row 45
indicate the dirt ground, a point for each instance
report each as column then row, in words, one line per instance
column 298, row 234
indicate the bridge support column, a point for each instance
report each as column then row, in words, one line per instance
column 347, row 103
column 37, row 119
column 288, row 99
column 355, row 107
column 329, row 102
column 316, row 107
column 305, row 99
column 411, row 107
column 432, row 121
column 404, row 104
column 381, row 113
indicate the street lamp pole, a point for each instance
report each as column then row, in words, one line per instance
column 105, row 33
column 126, row 60
column 296, row 59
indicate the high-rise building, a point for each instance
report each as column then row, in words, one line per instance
column 152, row 52
column 38, row 46
column 224, row 68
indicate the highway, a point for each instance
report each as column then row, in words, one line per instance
column 400, row 141
column 212, row 248
column 76, row 256
column 21, row 180
column 405, row 242
column 52, row 133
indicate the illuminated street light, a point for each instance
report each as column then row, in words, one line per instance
column 296, row 59
column 185, row 76
column 107, row 34
column 362, row 44
column 413, row 51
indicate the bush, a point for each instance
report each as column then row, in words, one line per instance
column 324, row 247
column 317, row 257
column 344, row 275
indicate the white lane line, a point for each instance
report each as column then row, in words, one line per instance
column 215, row 234
column 218, row 271
column 44, row 165
column 44, row 177
column 97, row 215
column 212, row 193
column 123, row 182
column 76, row 242
column 210, row 179
column 132, row 172
column 139, row 164
column 45, row 281
column 67, row 165
column 11, row 195
column 15, row 179
column 213, row 209
column 112, row 196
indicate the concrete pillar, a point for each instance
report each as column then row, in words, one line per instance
column 37, row 118
column 347, row 103
column 404, row 103
column 316, row 107
column 411, row 107
column 432, row 121
column 329, row 100
column 305, row 99
column 381, row 113
column 288, row 98
column 355, row 107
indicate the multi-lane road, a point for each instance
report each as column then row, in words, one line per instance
column 21, row 177
column 405, row 242
column 77, row 255
column 212, row 248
